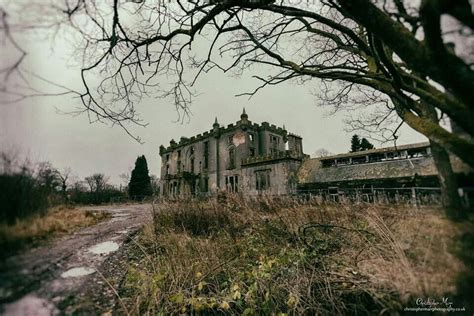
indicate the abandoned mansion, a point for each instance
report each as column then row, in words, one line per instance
column 251, row 158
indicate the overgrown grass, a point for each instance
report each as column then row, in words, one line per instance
column 268, row 256
column 55, row 222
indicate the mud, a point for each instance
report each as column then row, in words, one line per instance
column 77, row 274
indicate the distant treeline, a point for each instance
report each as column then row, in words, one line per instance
column 29, row 189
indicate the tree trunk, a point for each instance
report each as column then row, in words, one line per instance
column 448, row 183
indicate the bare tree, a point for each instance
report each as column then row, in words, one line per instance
column 64, row 179
column 321, row 152
column 48, row 176
column 96, row 182
column 155, row 184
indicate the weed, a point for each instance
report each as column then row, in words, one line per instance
column 271, row 256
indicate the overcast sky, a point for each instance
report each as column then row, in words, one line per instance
column 36, row 127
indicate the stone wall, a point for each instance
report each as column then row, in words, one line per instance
column 237, row 141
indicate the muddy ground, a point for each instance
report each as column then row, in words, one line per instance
column 77, row 274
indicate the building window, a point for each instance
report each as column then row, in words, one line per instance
column 252, row 152
column 262, row 180
column 206, row 155
column 274, row 144
column 230, row 140
column 205, row 186
column 251, row 137
column 232, row 183
column 167, row 157
column 191, row 159
column 167, row 170
column 174, row 188
column 178, row 166
column 231, row 164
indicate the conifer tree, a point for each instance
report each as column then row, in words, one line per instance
column 355, row 143
column 140, row 185
column 365, row 144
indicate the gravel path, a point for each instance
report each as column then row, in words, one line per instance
column 76, row 274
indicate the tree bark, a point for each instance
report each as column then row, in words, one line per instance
column 448, row 183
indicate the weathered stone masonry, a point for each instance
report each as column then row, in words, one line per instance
column 250, row 158
column 242, row 157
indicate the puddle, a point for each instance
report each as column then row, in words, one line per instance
column 120, row 214
column 77, row 272
column 30, row 305
column 104, row 248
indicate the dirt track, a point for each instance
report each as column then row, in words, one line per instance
column 73, row 275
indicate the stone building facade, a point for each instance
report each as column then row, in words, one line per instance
column 244, row 157
column 252, row 158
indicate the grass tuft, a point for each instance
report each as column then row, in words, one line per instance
column 57, row 221
column 270, row 256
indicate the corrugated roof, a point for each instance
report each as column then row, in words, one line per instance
column 378, row 150
column 312, row 171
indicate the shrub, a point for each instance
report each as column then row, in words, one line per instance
column 104, row 196
column 21, row 196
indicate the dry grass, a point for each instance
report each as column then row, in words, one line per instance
column 283, row 256
column 57, row 221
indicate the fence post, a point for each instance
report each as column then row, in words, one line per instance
column 413, row 196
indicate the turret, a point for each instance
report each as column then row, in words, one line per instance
column 216, row 124
column 244, row 116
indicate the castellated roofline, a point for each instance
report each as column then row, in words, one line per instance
column 219, row 130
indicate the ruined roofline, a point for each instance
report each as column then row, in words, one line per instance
column 294, row 135
column 184, row 141
column 377, row 151
column 269, row 158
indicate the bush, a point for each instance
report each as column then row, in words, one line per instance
column 21, row 196
column 104, row 196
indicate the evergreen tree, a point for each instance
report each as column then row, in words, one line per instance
column 140, row 184
column 355, row 143
column 365, row 144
